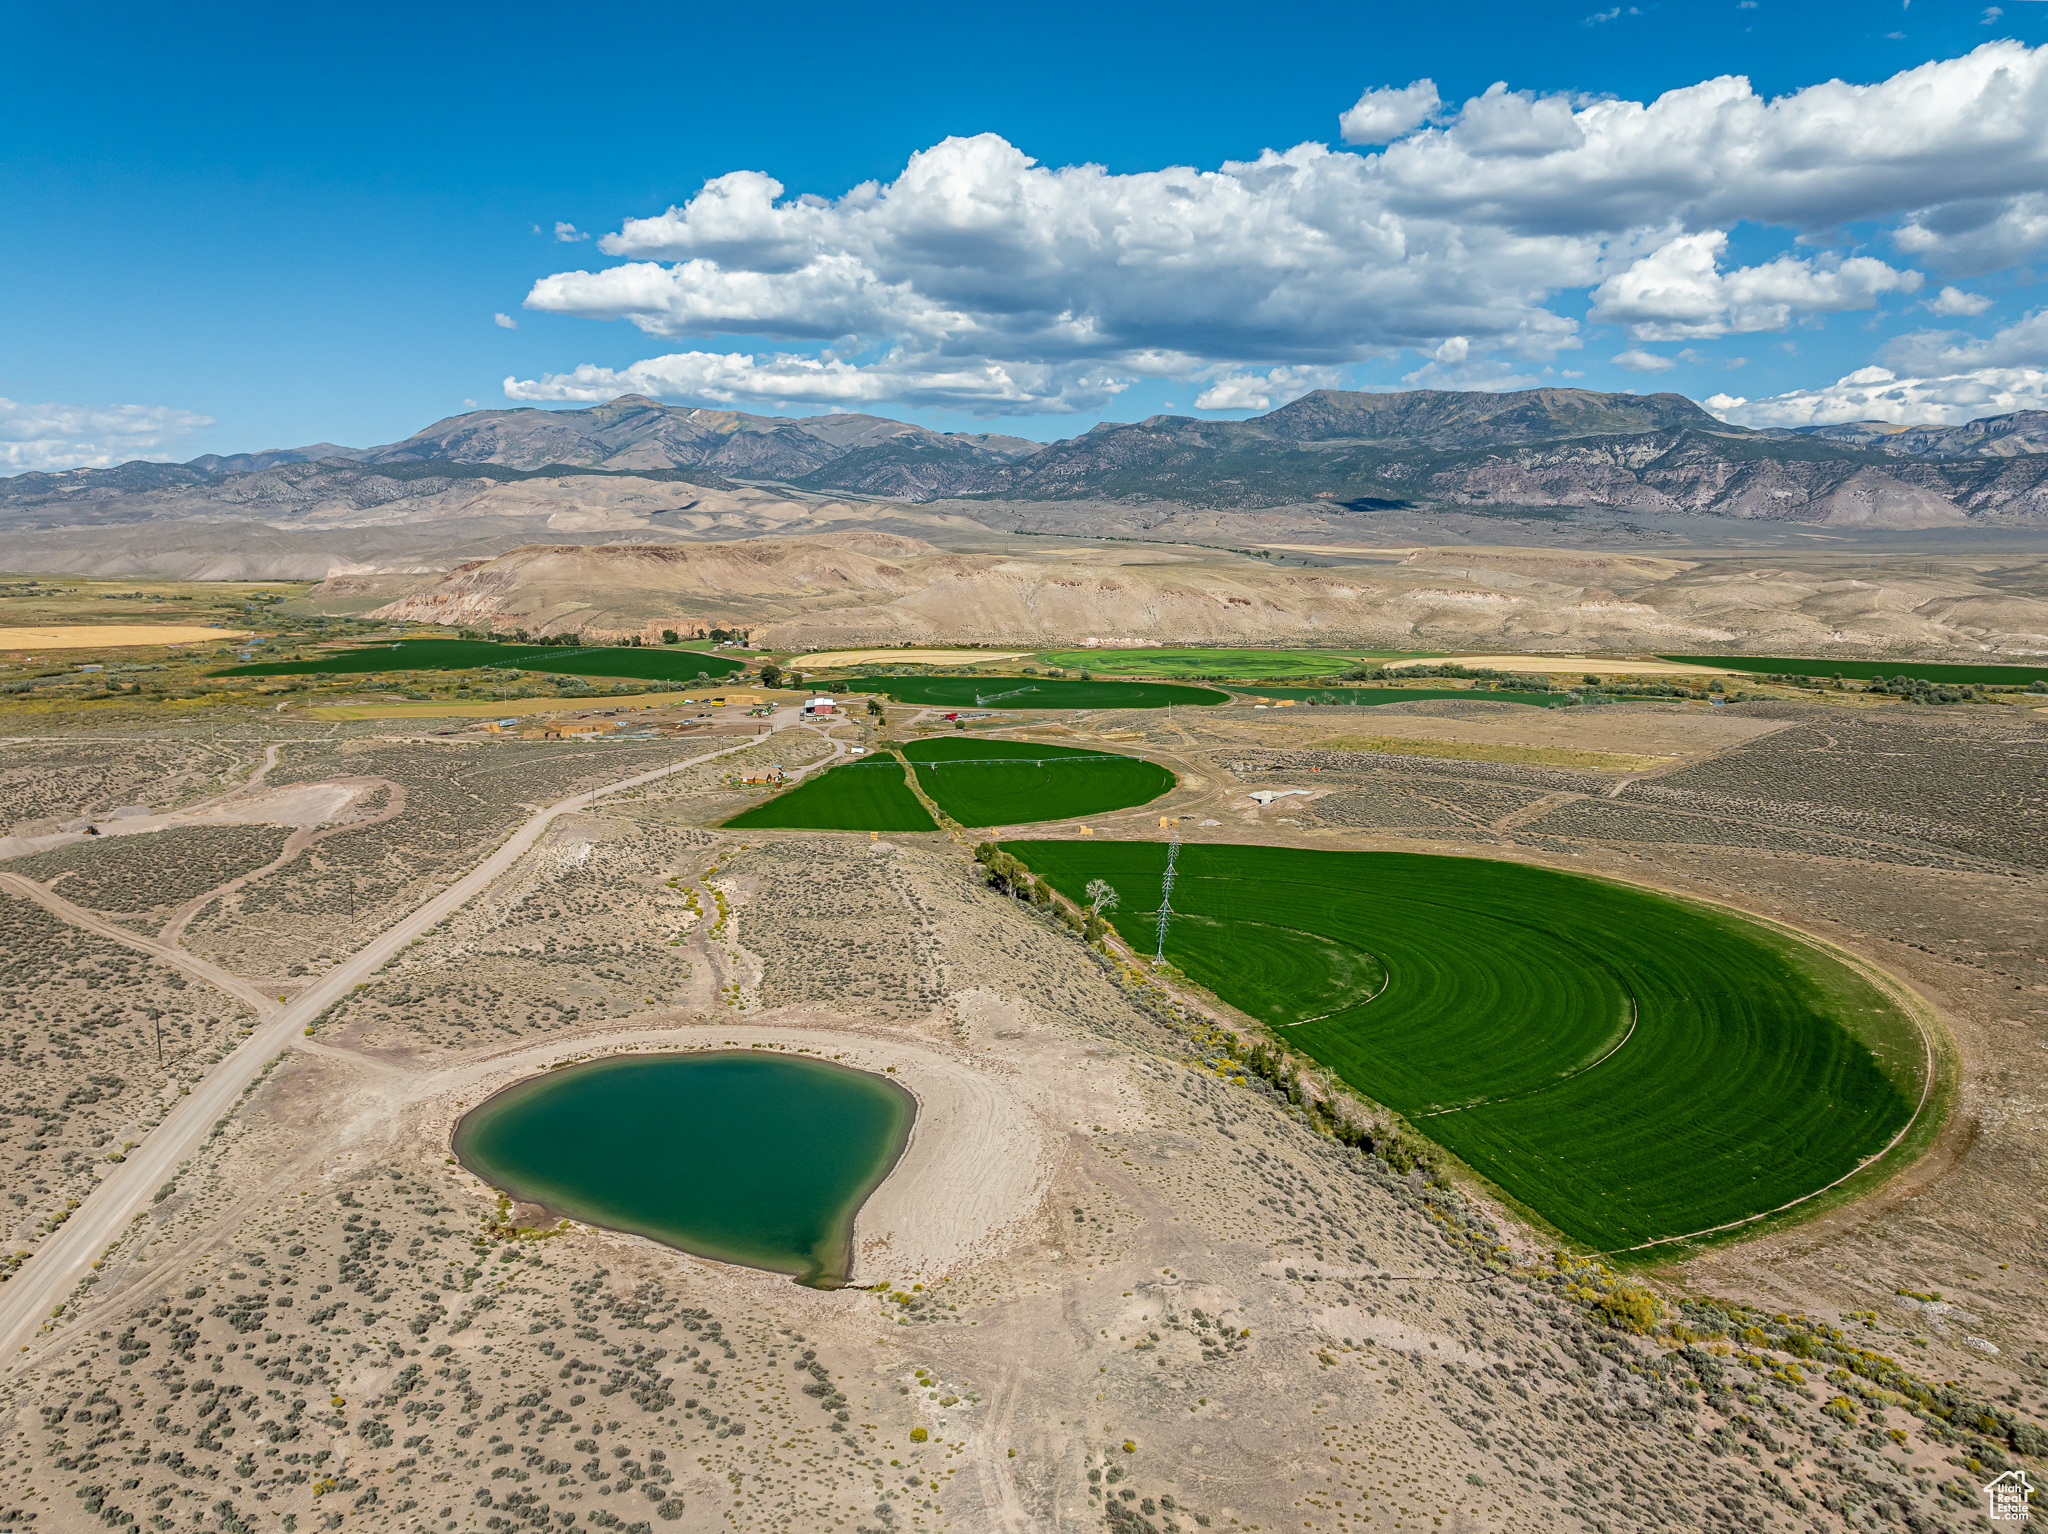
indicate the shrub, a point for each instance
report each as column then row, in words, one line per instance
column 1630, row 1307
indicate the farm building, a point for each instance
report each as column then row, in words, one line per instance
column 816, row 706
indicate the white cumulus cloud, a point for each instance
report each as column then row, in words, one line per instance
column 88, row 436
column 732, row 378
column 980, row 274
column 1678, row 292
column 1380, row 116
column 1879, row 394
column 504, row 322
column 2024, row 344
column 1955, row 303
column 1636, row 360
column 1969, row 236
column 1266, row 391
column 1968, row 130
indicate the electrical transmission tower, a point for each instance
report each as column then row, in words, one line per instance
column 1166, row 898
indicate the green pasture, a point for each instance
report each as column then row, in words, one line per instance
column 1629, row 1066
column 983, row 782
column 1034, row 692
column 1371, row 697
column 645, row 663
column 1219, row 663
column 865, row 795
column 1864, row 670
column 1302, row 975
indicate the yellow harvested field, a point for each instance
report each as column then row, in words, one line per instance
column 829, row 658
column 1581, row 665
column 1496, row 751
column 737, row 701
column 102, row 636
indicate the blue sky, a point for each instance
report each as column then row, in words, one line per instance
column 301, row 225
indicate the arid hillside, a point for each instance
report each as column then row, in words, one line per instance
column 1120, row 1279
column 867, row 588
column 1428, row 467
column 301, row 521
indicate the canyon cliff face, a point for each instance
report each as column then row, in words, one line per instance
column 1550, row 448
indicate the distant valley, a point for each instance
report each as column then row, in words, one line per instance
column 1453, row 519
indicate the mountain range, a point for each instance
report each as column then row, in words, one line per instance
column 1331, row 469
column 634, row 433
column 1656, row 454
column 1341, row 516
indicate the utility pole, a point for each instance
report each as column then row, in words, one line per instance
column 1166, row 898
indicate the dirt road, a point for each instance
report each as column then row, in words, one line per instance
column 29, row 1302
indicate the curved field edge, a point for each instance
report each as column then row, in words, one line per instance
column 1940, row 1080
column 1864, row 670
column 1014, row 694
column 1374, row 697
column 1908, row 1041
column 852, row 796
column 1890, row 1028
column 983, row 782
column 1940, row 1086
column 1220, row 662
column 629, row 662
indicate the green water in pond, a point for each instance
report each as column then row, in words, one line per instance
column 742, row 1156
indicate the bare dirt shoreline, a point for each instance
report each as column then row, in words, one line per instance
column 969, row 1175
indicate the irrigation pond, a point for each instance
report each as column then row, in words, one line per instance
column 743, row 1156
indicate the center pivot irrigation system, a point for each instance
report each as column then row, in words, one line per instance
column 1166, row 898
column 1065, row 759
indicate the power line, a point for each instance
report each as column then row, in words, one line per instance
column 1166, row 898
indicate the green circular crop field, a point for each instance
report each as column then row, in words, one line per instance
column 865, row 795
column 1010, row 692
column 1376, row 697
column 644, row 663
column 1632, row 1067
column 1190, row 661
column 983, row 782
